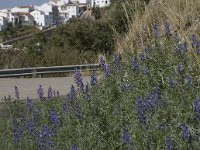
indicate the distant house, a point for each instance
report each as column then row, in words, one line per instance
column 22, row 9
column 100, row 3
column 71, row 9
column 63, row 17
column 11, row 17
column 3, row 23
column 25, row 19
column 59, row 2
column 42, row 19
column 49, row 9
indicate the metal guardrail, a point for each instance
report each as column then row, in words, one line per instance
column 46, row 70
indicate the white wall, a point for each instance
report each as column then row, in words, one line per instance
column 41, row 19
column 22, row 9
column 72, row 10
column 3, row 23
column 63, row 17
column 100, row 3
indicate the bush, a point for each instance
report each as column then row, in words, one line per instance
column 146, row 100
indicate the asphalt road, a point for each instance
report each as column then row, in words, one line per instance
column 28, row 86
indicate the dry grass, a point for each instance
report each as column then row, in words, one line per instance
column 183, row 15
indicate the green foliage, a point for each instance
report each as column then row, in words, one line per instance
column 96, row 11
column 110, row 116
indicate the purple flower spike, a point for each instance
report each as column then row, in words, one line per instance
column 135, row 65
column 180, row 69
column 16, row 92
column 74, row 147
column 167, row 29
column 93, row 80
column 78, row 79
column 187, row 80
column 53, row 117
column 40, row 92
column 50, row 93
column 116, row 61
column 193, row 40
column 196, row 109
column 155, row 31
column 126, row 138
column 185, row 132
column 168, row 144
column 29, row 104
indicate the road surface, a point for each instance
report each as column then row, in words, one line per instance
column 28, row 86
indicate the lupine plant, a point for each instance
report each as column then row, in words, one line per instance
column 148, row 101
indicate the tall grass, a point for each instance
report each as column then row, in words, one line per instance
column 183, row 16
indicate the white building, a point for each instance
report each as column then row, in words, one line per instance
column 71, row 9
column 25, row 19
column 22, row 9
column 3, row 23
column 42, row 19
column 100, row 3
column 59, row 2
column 49, row 9
column 63, row 17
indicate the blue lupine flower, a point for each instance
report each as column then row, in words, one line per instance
column 124, row 87
column 74, row 147
column 171, row 82
column 30, row 127
column 168, row 144
column 187, row 80
column 135, row 64
column 50, row 93
column 147, row 49
column 167, row 29
column 15, row 133
column 40, row 92
column 185, row 132
column 150, row 101
column 180, row 69
column 116, row 61
column 197, row 47
column 155, row 31
column 65, row 107
column 53, row 117
column 16, row 92
column 43, row 138
column 126, row 138
column 101, row 61
column 196, row 109
column 193, row 40
column 35, row 117
column 145, row 71
column 156, row 91
column 140, row 111
column 77, row 110
column 29, row 104
column 106, row 70
column 78, row 79
column 142, row 57
column 181, row 48
column 86, row 91
column 93, row 80
column 72, row 94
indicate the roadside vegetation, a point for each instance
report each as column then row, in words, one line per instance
column 148, row 96
column 79, row 41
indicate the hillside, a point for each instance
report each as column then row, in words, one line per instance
column 147, row 99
